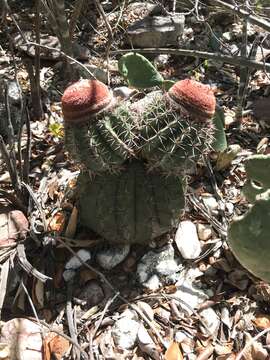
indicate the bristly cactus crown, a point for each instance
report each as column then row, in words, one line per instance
column 196, row 98
column 85, row 99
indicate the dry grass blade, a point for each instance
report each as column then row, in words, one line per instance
column 27, row 266
column 3, row 283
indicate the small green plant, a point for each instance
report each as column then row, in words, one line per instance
column 57, row 130
column 249, row 235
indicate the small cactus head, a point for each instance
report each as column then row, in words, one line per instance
column 196, row 98
column 85, row 99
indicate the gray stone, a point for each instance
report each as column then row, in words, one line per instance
column 69, row 275
column 124, row 333
column 112, row 256
column 158, row 268
column 95, row 73
column 77, row 261
column 92, row 293
column 123, row 92
column 156, row 31
column 187, row 241
column 189, row 294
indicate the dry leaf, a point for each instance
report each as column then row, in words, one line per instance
column 173, row 352
column 254, row 350
column 57, row 222
column 72, row 223
column 262, row 321
column 55, row 346
column 38, row 293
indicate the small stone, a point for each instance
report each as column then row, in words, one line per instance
column 187, row 241
column 75, row 262
column 112, row 256
column 211, row 203
column 156, row 31
column 123, row 92
column 92, row 293
column 161, row 60
column 124, row 333
column 153, row 283
column 204, row 231
column 190, row 296
column 211, row 321
column 96, row 73
column 68, row 275
column 157, row 267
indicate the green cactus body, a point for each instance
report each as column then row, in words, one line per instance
column 131, row 207
column 102, row 145
column 248, row 235
column 169, row 139
column 249, row 239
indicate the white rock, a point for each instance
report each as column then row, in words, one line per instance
column 74, row 263
column 211, row 321
column 153, row 283
column 157, row 267
column 123, row 92
column 112, row 256
column 124, row 333
column 204, row 231
column 211, row 203
column 187, row 241
column 190, row 296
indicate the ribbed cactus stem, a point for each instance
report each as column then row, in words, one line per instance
column 97, row 133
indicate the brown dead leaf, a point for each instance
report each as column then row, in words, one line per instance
column 55, row 346
column 173, row 352
column 57, row 222
column 262, row 321
column 72, row 223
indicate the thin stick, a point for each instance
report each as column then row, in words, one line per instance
column 29, row 43
column 238, row 61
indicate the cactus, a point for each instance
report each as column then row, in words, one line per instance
column 249, row 235
column 131, row 207
column 139, row 72
column 137, row 156
column 177, row 127
column 96, row 134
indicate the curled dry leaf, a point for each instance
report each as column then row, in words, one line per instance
column 57, row 222
column 173, row 352
column 72, row 224
column 262, row 321
column 55, row 346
